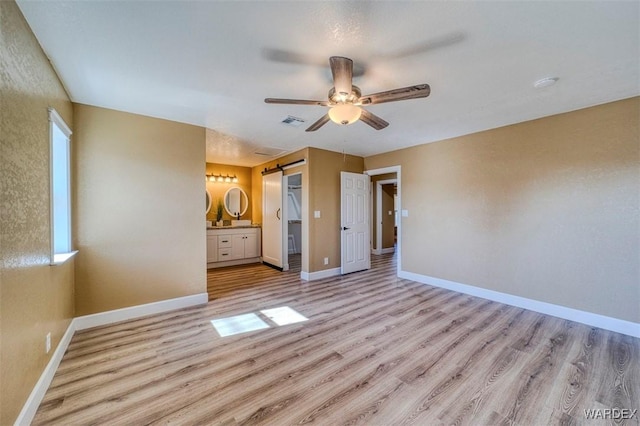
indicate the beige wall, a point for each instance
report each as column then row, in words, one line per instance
column 388, row 222
column 35, row 298
column 324, row 195
column 219, row 189
column 140, row 221
column 546, row 209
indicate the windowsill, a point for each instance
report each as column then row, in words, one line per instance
column 60, row 258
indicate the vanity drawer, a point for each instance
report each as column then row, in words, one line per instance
column 224, row 254
column 224, row 241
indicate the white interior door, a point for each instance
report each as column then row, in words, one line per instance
column 272, row 219
column 355, row 229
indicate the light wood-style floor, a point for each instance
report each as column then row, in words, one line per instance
column 376, row 350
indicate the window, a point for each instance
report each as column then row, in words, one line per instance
column 59, row 134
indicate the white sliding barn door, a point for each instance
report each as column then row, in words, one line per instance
column 355, row 227
column 272, row 219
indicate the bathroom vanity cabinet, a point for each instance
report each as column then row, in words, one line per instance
column 230, row 246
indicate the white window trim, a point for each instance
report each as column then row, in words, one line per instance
column 60, row 258
column 54, row 117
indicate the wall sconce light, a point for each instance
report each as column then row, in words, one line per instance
column 221, row 178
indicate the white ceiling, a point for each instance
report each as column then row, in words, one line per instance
column 212, row 63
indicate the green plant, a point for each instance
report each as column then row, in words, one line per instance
column 219, row 210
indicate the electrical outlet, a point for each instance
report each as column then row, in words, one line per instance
column 47, row 342
column 326, row 260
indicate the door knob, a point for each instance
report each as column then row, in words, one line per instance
column 344, row 228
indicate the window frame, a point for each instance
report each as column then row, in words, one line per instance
column 59, row 257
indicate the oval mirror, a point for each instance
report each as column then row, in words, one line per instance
column 208, row 195
column 236, row 201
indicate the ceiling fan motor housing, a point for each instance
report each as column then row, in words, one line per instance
column 339, row 98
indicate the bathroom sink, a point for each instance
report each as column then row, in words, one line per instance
column 242, row 222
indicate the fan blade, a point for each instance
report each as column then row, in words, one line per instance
column 429, row 45
column 315, row 126
column 342, row 70
column 295, row 102
column 290, row 57
column 372, row 120
column 411, row 92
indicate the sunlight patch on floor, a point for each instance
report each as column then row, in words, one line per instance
column 283, row 315
column 238, row 324
column 251, row 322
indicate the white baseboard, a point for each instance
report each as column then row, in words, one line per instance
column 117, row 315
column 224, row 263
column 87, row 321
column 35, row 398
column 383, row 251
column 596, row 320
column 312, row 276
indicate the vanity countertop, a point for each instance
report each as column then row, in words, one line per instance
column 210, row 228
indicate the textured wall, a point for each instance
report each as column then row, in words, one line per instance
column 35, row 298
column 218, row 189
column 140, row 209
column 388, row 220
column 324, row 195
column 547, row 209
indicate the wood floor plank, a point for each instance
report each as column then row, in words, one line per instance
column 568, row 399
column 524, row 402
column 375, row 350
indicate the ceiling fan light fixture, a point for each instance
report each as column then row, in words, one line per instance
column 345, row 114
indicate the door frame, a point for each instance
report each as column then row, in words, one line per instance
column 285, row 217
column 398, row 171
column 379, row 249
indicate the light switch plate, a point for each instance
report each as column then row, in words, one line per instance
column 316, row 214
column 405, row 213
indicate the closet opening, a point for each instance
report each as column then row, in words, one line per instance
column 293, row 207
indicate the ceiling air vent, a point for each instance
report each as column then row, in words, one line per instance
column 269, row 152
column 293, row 121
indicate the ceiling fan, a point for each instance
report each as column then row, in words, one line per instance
column 346, row 100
